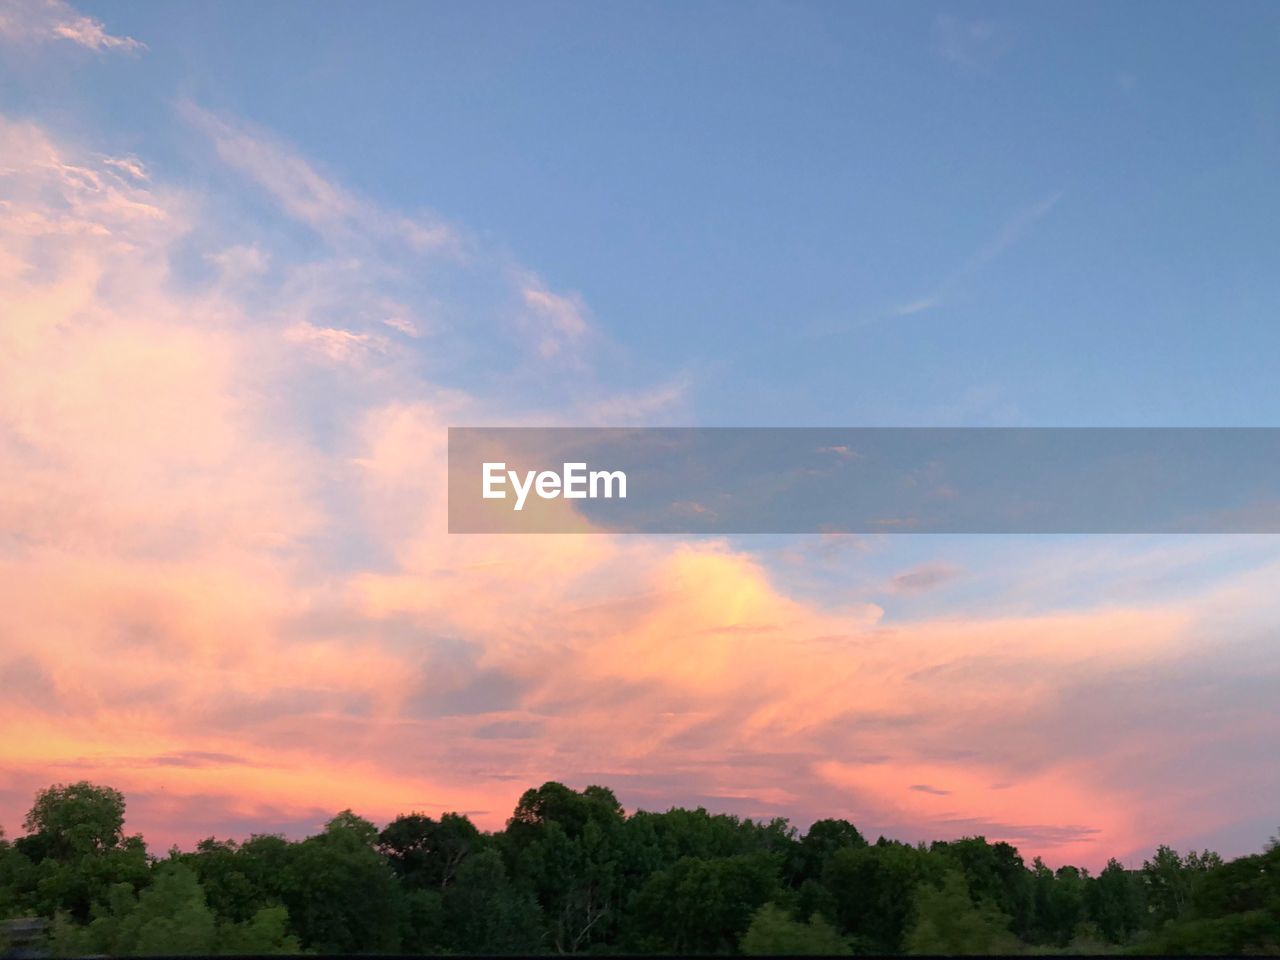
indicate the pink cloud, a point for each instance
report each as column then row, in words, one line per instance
column 40, row 21
column 241, row 619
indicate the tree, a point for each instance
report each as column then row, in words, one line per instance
column 340, row 892
column 485, row 913
column 266, row 932
column 577, row 880
column 874, row 890
column 1115, row 903
column 77, row 848
column 773, row 933
column 1234, row 908
column 170, row 918
column 824, row 838
column 1170, row 878
column 427, row 853
column 555, row 803
column 994, row 873
column 948, row 922
column 16, row 874
column 424, row 929
column 703, row 906
column 1059, row 899
column 574, row 874
column 70, row 822
column 663, row 838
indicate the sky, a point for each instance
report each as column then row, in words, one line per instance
column 255, row 259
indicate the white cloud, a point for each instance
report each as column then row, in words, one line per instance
column 332, row 343
column 558, row 321
column 641, row 407
column 240, row 261
column 129, row 165
column 402, row 325
column 339, row 215
column 1009, row 233
column 917, row 306
column 48, row 20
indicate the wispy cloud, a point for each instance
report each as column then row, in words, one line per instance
column 917, row 306
column 648, row 406
column 1009, row 233
column 131, row 166
column 332, row 343
column 40, row 21
column 389, row 249
column 308, row 196
column 923, row 578
column 403, row 325
column 558, row 321
column 925, row 788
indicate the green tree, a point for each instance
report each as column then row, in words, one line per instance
column 16, row 874
column 663, row 838
column 577, row 880
column 567, row 847
column 1059, row 903
column 1115, row 902
column 948, row 922
column 78, row 820
column 1234, row 908
column 266, row 932
column 169, row 918
column 424, row 928
column 995, row 874
column 773, row 933
column 77, row 849
column 874, row 890
column 1170, row 879
column 555, row 803
column 485, row 913
column 341, row 894
column 703, row 906
column 223, row 871
column 425, row 852
column 824, row 838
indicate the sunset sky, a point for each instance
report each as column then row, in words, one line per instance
column 256, row 258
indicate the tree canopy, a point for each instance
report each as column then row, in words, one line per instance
column 572, row 872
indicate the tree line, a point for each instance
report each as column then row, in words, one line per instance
column 573, row 873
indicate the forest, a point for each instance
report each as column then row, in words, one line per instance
column 572, row 872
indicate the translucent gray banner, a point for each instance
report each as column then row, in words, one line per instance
column 709, row 480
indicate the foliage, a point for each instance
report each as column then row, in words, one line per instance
column 948, row 922
column 773, row 933
column 573, row 873
column 874, row 889
column 703, row 906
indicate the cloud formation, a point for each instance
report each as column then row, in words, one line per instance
column 40, row 21
column 226, row 586
column 1010, row 232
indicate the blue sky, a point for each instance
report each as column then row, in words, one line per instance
column 255, row 258
column 818, row 213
